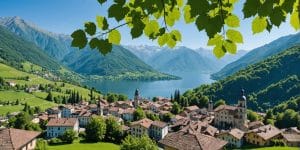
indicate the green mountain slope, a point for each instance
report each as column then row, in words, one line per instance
column 267, row 83
column 121, row 64
column 117, row 63
column 258, row 54
column 16, row 52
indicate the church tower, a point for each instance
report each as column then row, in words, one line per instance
column 136, row 98
column 99, row 108
column 242, row 109
column 210, row 106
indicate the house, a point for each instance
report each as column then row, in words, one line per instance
column 158, row 130
column 291, row 139
column 227, row 117
column 57, row 127
column 193, row 108
column 190, row 140
column 12, row 83
column 234, row 137
column 54, row 111
column 128, row 114
column 16, row 139
column 155, row 107
column 263, row 135
column 123, row 104
column 255, row 124
column 83, row 116
column 67, row 110
column 141, row 127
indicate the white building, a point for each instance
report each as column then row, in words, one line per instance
column 57, row 127
column 128, row 114
column 234, row 137
column 158, row 130
column 141, row 127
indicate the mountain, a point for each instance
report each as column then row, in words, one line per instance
column 56, row 45
column 16, row 51
column 121, row 63
column 220, row 63
column 182, row 59
column 258, row 54
column 268, row 82
column 179, row 59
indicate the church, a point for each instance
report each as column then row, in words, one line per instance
column 226, row 117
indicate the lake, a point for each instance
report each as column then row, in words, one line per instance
column 149, row 89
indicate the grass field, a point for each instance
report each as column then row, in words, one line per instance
column 277, row 148
column 35, row 98
column 85, row 146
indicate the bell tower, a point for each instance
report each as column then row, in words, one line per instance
column 136, row 98
column 210, row 106
column 99, row 108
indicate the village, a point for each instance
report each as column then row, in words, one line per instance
column 194, row 128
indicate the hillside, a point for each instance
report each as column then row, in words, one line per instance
column 10, row 95
column 258, row 54
column 121, row 64
column 17, row 52
column 55, row 45
column 182, row 59
column 267, row 83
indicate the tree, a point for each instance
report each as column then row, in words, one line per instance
column 122, row 97
column 219, row 102
column 167, row 117
column 95, row 129
column 289, row 118
column 252, row 116
column 113, row 130
column 49, row 97
column 176, row 109
column 112, row 97
column 138, row 143
column 216, row 17
column 68, row 136
column 41, row 144
column 139, row 114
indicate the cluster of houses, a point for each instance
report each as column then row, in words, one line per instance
column 194, row 128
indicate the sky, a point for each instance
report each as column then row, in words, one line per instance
column 65, row 16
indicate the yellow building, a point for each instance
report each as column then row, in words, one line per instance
column 262, row 136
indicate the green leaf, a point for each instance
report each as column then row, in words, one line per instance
column 101, row 1
column 215, row 40
column 187, row 14
column 218, row 51
column 277, row 16
column 137, row 29
column 287, row 5
column 104, row 46
column 230, row 46
column 117, row 11
column 79, row 39
column 234, row 36
column 259, row 24
column 102, row 22
column 114, row 37
column 198, row 7
column 94, row 43
column 90, row 28
column 251, row 7
column 232, row 21
column 295, row 21
column 151, row 27
column 162, row 40
column 171, row 43
column 266, row 8
column 177, row 34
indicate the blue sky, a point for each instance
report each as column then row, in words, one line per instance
column 65, row 16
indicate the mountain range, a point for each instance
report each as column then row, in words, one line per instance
column 257, row 55
column 182, row 59
column 267, row 83
column 121, row 62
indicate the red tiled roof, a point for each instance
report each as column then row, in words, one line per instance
column 11, row 139
column 159, row 124
column 62, row 122
column 226, row 107
column 266, row 132
column 144, row 122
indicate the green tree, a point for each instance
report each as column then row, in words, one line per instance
column 113, row 130
column 289, row 118
column 68, row 136
column 219, row 102
column 112, row 97
column 216, row 17
column 167, row 117
column 41, row 144
column 95, row 129
column 176, row 109
column 252, row 116
column 138, row 143
column 122, row 97
column 49, row 97
column 139, row 114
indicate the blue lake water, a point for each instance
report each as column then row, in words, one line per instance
column 149, row 89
